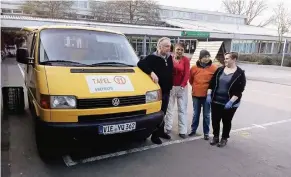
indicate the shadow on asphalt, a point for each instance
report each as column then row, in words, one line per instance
column 76, row 149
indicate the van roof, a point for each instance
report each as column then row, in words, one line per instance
column 39, row 28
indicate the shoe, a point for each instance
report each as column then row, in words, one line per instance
column 192, row 134
column 214, row 141
column 222, row 143
column 156, row 140
column 182, row 136
column 165, row 136
column 206, row 137
column 168, row 131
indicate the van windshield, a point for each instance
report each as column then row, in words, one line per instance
column 85, row 47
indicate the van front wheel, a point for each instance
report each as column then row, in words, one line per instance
column 45, row 149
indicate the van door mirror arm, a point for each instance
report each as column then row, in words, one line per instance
column 30, row 61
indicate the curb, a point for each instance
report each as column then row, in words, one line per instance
column 248, row 62
column 272, row 82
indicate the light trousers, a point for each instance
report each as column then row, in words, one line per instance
column 180, row 96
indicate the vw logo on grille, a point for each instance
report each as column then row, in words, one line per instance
column 115, row 101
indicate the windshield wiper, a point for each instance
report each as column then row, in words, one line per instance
column 111, row 64
column 63, row 61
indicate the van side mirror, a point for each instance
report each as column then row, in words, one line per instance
column 22, row 56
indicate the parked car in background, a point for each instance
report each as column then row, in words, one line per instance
column 3, row 54
column 11, row 50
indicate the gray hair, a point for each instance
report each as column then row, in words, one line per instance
column 161, row 40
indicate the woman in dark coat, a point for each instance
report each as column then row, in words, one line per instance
column 224, row 95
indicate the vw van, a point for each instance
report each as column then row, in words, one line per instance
column 84, row 82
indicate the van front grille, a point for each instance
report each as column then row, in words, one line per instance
column 108, row 102
column 114, row 116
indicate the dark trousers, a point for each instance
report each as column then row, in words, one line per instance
column 219, row 113
column 165, row 102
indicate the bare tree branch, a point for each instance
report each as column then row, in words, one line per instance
column 104, row 11
column 266, row 22
column 130, row 11
column 251, row 9
column 282, row 20
column 52, row 9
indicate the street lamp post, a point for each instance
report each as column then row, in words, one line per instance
column 283, row 52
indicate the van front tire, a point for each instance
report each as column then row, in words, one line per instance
column 44, row 146
column 43, row 139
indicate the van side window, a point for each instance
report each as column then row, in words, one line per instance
column 33, row 46
column 29, row 42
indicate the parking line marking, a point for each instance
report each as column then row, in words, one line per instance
column 259, row 126
column 21, row 70
column 69, row 162
column 278, row 122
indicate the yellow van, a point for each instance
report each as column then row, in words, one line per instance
column 84, row 82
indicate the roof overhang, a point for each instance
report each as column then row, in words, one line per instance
column 217, row 31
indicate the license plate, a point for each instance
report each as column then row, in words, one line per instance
column 117, row 128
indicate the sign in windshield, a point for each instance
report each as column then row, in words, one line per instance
column 85, row 47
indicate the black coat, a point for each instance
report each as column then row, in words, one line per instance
column 237, row 83
column 163, row 69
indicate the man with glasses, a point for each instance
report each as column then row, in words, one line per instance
column 159, row 66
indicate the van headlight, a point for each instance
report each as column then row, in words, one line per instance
column 63, row 102
column 153, row 96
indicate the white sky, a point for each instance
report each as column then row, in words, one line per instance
column 216, row 5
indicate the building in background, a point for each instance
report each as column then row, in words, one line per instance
column 83, row 11
column 180, row 24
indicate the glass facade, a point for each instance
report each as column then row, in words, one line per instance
column 253, row 46
column 81, row 4
column 151, row 44
column 137, row 44
column 178, row 14
column 190, row 45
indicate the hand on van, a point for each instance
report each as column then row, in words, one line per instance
column 154, row 77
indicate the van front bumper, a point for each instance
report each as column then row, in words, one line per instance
column 145, row 125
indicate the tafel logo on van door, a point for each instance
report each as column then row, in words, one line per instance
column 109, row 83
column 119, row 80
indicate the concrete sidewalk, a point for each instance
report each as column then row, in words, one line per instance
column 271, row 74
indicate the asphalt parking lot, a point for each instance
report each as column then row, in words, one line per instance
column 259, row 144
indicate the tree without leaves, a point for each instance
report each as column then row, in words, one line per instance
column 282, row 20
column 266, row 22
column 52, row 9
column 94, row 7
column 149, row 11
column 106, row 11
column 138, row 10
column 251, row 9
column 131, row 11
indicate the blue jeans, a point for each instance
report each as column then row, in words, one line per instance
column 197, row 104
